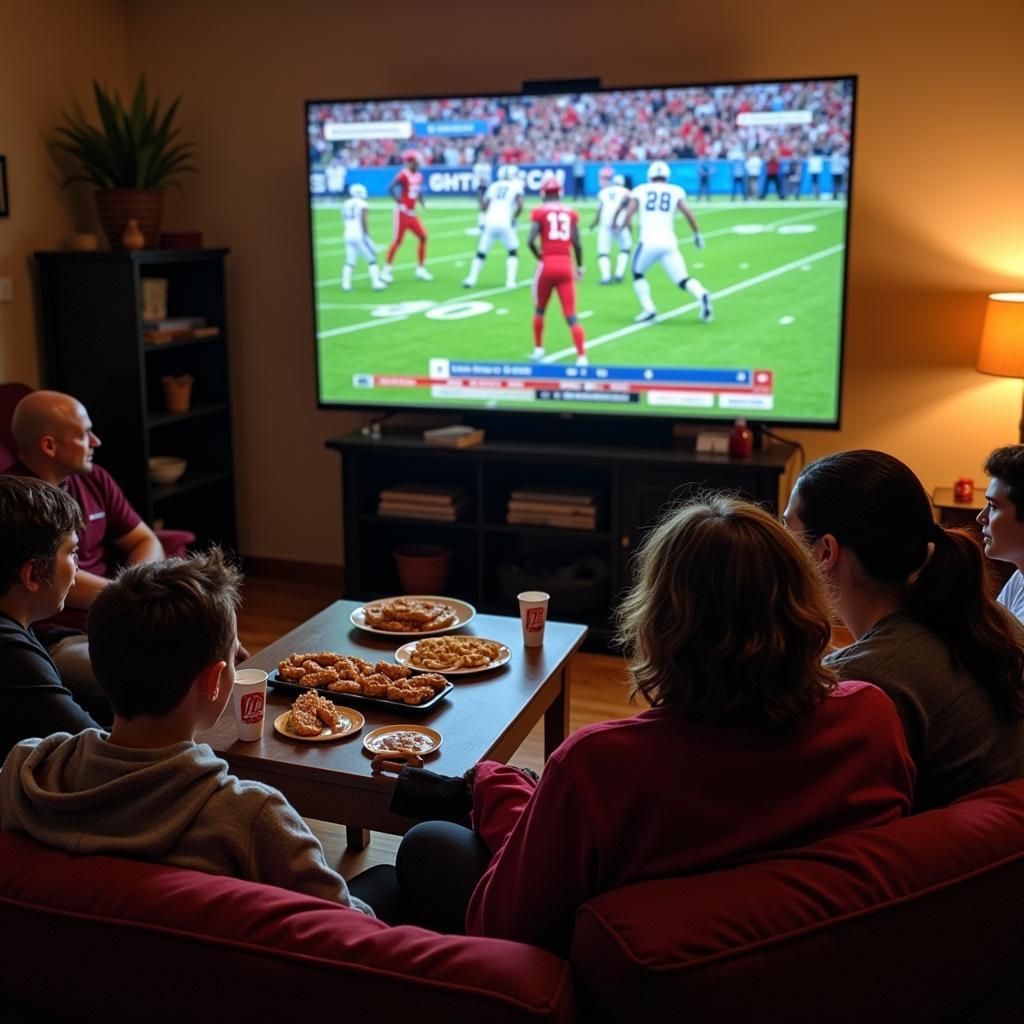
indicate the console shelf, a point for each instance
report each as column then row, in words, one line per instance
column 635, row 483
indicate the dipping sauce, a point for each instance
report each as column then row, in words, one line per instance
column 402, row 739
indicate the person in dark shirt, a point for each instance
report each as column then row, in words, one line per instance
column 39, row 528
column 925, row 629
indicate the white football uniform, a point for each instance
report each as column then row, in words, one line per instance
column 501, row 198
column 611, row 198
column 335, row 175
column 357, row 242
column 657, row 202
column 481, row 174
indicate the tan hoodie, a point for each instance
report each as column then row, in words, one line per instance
column 176, row 805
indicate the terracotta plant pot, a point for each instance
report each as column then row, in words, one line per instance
column 422, row 568
column 177, row 391
column 116, row 206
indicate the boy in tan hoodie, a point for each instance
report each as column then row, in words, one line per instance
column 162, row 639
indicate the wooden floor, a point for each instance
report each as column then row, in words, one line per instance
column 598, row 692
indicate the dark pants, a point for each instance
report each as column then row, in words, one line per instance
column 436, row 870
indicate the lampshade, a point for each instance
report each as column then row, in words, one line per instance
column 1002, row 338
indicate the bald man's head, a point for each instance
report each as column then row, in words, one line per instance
column 54, row 435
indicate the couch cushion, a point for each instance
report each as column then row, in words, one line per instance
column 915, row 920
column 104, row 938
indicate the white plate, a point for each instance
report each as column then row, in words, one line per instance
column 375, row 742
column 355, row 722
column 404, row 657
column 464, row 613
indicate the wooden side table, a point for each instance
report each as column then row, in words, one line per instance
column 951, row 512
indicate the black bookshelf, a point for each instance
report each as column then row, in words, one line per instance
column 93, row 348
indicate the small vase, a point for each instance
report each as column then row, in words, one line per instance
column 133, row 238
column 177, row 391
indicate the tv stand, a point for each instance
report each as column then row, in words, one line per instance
column 569, row 429
column 634, row 483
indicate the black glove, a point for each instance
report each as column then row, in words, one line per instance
column 429, row 796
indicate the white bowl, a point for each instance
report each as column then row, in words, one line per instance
column 166, row 469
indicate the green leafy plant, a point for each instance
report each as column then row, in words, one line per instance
column 132, row 147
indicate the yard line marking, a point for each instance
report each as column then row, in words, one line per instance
column 361, row 326
column 679, row 310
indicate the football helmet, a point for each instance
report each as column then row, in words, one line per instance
column 357, row 191
column 412, row 154
column 658, row 170
column 605, row 175
column 550, row 185
column 619, row 179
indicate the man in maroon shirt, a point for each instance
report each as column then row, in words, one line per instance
column 55, row 442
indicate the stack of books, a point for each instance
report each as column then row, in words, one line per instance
column 457, row 436
column 181, row 328
column 575, row 508
column 439, row 502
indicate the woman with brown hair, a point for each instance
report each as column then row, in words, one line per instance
column 749, row 743
column 925, row 628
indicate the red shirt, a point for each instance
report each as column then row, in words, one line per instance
column 412, row 184
column 556, row 221
column 659, row 796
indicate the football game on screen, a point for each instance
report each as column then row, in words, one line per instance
column 661, row 252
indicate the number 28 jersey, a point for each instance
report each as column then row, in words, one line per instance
column 556, row 222
column 657, row 202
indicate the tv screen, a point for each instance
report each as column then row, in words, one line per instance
column 710, row 220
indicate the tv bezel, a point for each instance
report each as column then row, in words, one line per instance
column 556, row 87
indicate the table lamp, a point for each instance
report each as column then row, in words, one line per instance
column 1002, row 339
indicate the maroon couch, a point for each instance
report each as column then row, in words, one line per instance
column 921, row 920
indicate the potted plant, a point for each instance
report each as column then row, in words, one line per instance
column 131, row 157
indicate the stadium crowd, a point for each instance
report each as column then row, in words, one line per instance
column 640, row 125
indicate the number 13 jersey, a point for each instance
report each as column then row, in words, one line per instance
column 556, row 221
column 657, row 202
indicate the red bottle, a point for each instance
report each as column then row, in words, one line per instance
column 741, row 440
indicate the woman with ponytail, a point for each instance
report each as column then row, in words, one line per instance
column 925, row 629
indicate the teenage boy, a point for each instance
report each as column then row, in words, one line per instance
column 39, row 527
column 1002, row 520
column 162, row 637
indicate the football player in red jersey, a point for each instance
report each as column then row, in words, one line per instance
column 407, row 189
column 556, row 227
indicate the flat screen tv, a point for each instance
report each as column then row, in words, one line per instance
column 721, row 209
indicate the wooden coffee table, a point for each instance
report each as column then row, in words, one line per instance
column 485, row 717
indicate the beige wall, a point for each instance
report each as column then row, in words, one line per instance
column 938, row 210
column 49, row 51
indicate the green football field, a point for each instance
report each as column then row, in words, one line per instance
column 774, row 270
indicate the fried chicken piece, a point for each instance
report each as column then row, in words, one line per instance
column 289, row 672
column 394, row 672
column 346, row 669
column 376, row 685
column 325, row 658
column 345, row 686
column 319, row 677
column 416, row 694
column 434, row 680
column 302, row 723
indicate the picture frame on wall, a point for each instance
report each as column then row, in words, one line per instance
column 5, row 206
